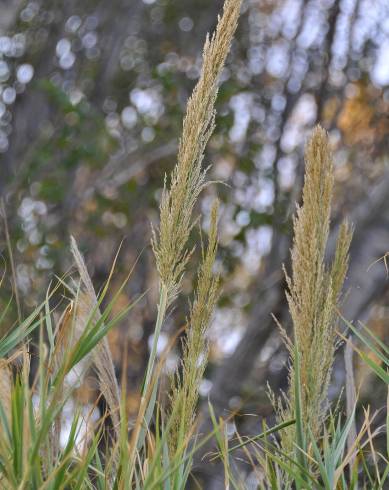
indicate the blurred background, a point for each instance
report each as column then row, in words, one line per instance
column 92, row 96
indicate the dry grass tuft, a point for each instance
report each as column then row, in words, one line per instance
column 101, row 354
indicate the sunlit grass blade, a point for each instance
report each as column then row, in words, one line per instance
column 263, row 435
column 367, row 342
column 96, row 331
column 18, row 334
column 379, row 371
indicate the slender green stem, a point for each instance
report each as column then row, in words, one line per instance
column 149, row 409
column 162, row 307
column 11, row 260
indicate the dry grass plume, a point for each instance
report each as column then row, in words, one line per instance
column 314, row 288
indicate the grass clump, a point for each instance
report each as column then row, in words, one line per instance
column 314, row 449
column 157, row 450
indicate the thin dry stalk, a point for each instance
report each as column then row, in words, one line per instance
column 11, row 259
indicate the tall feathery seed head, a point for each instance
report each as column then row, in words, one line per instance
column 314, row 289
column 188, row 177
column 195, row 347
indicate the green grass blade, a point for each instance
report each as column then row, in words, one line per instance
column 366, row 341
column 380, row 372
column 264, row 434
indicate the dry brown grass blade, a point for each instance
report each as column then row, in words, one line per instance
column 101, row 355
column 5, row 387
column 357, row 445
column 68, row 331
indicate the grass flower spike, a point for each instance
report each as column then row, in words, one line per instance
column 195, row 348
column 170, row 241
column 314, row 289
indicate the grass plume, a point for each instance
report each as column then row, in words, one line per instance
column 170, row 241
column 314, row 289
column 195, row 349
column 180, row 194
column 188, row 177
